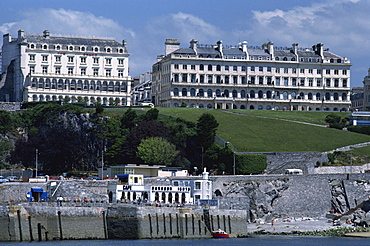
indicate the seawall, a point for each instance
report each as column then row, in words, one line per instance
column 42, row 222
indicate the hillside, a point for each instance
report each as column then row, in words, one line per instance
column 256, row 134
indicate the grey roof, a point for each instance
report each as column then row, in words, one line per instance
column 72, row 41
column 257, row 52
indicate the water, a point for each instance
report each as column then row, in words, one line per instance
column 255, row 241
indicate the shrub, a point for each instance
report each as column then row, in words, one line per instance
column 359, row 129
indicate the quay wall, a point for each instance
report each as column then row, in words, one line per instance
column 42, row 222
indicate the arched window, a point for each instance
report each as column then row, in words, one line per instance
column 242, row 93
column 252, row 94
column 268, row 94
column 209, row 93
column 209, row 67
column 184, row 92
column 218, row 93
column 201, row 67
column 192, row 92
column 336, row 96
column 201, row 92
column 235, row 94
column 242, row 107
column 318, row 96
column 176, row 92
column 176, row 78
column 285, row 95
column 218, row 68
column 260, row 107
column 309, row 96
column 260, row 94
column 293, row 95
column 344, row 97
column 277, row 95
column 301, row 95
column 327, row 96
column 209, row 106
column 226, row 93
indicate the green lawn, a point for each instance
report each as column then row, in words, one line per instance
column 272, row 135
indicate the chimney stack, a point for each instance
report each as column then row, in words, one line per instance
column 46, row 34
column 171, row 45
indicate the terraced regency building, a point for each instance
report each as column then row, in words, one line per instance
column 44, row 67
column 250, row 77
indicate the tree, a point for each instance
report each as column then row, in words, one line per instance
column 157, row 150
column 5, row 122
column 128, row 119
column 206, row 130
column 152, row 114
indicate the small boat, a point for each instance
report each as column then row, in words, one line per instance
column 220, row 234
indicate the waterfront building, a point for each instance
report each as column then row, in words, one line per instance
column 46, row 67
column 175, row 189
column 357, row 99
column 251, row 77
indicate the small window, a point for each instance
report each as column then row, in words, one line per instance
column 70, row 48
column 108, row 61
column 70, row 71
column 32, row 58
column 83, row 48
column 252, row 68
column 197, row 186
column 83, row 60
column 176, row 66
column 70, row 58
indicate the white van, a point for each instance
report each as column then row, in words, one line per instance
column 147, row 105
column 294, row 171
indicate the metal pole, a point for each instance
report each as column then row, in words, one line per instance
column 36, row 161
column 234, row 161
column 351, row 160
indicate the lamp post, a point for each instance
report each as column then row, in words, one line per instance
column 36, row 161
column 351, row 160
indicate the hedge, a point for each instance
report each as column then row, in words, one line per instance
column 359, row 129
column 250, row 164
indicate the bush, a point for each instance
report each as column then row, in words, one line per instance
column 250, row 164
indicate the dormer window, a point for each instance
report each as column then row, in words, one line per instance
column 120, row 50
column 108, row 50
column 32, row 46
column 45, row 47
column 83, row 48
column 96, row 49
column 70, row 48
column 57, row 47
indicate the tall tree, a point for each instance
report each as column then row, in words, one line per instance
column 206, row 130
column 157, row 150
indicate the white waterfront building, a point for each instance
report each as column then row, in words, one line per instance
column 45, row 67
column 251, row 77
column 141, row 93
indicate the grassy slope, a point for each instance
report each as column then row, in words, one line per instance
column 271, row 135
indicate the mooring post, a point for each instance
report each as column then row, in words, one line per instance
column 19, row 225
column 30, row 227
column 60, row 225
column 105, row 226
column 39, row 231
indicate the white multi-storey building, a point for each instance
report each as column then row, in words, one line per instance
column 141, row 94
column 245, row 77
column 44, row 67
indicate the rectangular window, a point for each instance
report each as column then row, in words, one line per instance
column 301, row 70
column 108, row 72
column 227, row 79
column 120, row 73
column 58, row 59
column 302, row 82
column 294, row 70
column 277, row 70
column 235, row 80
column 243, row 69
column 336, row 71
column 70, row 59
column 57, row 70
column 210, row 79
column 344, row 72
column 32, row 69
column 44, row 58
column 277, row 81
column 176, row 66
column 185, row 77
column 269, row 69
column 252, row 68
column 226, row 68
column 318, row 71
column 32, row 58
column 96, row 71
column 120, row 62
column 83, row 71
column 108, row 61
column 286, row 70
column 327, row 71
column 83, row 60
column 235, row 68
column 192, row 67
column 184, row 66
column 310, row 82
column 310, row 71
column 344, row 83
column 193, row 78
column 286, row 81
column 318, row 82
column 70, row 71
column 328, row 83
column 197, row 186
column 294, row 82
column 44, row 69
column 96, row 60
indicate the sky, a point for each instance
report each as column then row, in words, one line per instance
column 343, row 26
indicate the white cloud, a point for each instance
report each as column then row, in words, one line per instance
column 184, row 27
column 72, row 22
column 4, row 28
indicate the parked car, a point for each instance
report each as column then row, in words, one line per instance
column 3, row 180
column 13, row 178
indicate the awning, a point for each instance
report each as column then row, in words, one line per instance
column 37, row 190
column 121, row 176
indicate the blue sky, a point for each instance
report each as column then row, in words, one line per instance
column 342, row 25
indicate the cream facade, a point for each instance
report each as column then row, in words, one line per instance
column 250, row 77
column 44, row 67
